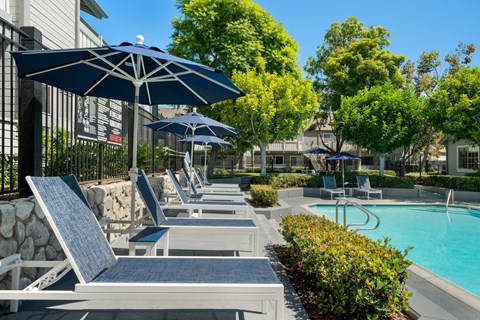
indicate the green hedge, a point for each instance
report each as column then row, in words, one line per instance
column 263, row 195
column 465, row 183
column 299, row 180
column 357, row 278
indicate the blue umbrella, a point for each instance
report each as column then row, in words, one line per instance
column 207, row 141
column 193, row 123
column 343, row 156
column 316, row 150
column 133, row 73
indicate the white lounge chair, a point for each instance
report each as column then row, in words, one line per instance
column 229, row 195
column 104, row 276
column 330, row 186
column 218, row 227
column 203, row 181
column 363, row 183
column 196, row 205
column 225, row 187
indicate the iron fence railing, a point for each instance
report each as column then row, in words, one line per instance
column 61, row 152
column 10, row 39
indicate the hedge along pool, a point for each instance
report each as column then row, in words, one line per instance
column 451, row 249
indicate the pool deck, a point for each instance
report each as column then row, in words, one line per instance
column 432, row 296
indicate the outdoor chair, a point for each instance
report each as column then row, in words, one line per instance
column 229, row 195
column 209, row 226
column 198, row 183
column 104, row 276
column 191, row 206
column 330, row 186
column 202, row 178
column 364, row 187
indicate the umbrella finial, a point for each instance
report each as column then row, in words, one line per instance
column 139, row 39
column 194, row 109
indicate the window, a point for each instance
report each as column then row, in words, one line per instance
column 367, row 161
column 328, row 136
column 296, row 161
column 278, row 159
column 468, row 157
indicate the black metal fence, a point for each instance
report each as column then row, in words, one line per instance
column 37, row 129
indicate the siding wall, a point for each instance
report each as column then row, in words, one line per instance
column 56, row 20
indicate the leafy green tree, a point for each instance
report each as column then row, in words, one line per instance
column 352, row 58
column 276, row 107
column 380, row 119
column 425, row 76
column 232, row 35
column 457, row 100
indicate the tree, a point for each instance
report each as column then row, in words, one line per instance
column 232, row 35
column 380, row 119
column 276, row 107
column 352, row 58
column 425, row 76
column 457, row 100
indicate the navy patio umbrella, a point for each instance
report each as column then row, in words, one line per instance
column 343, row 156
column 193, row 123
column 129, row 72
column 206, row 141
column 316, row 150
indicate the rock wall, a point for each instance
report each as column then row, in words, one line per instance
column 24, row 228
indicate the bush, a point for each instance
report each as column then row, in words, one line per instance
column 466, row 183
column 263, row 196
column 357, row 278
column 299, row 180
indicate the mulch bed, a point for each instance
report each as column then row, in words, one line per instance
column 304, row 286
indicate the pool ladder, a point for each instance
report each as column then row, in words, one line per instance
column 357, row 205
column 450, row 196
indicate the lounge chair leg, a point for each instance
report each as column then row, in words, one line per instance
column 15, row 286
column 265, row 306
column 131, row 249
column 279, row 308
column 166, row 244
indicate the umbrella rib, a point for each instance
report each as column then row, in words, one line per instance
column 186, row 86
column 107, row 73
column 167, row 77
column 160, row 67
column 115, row 67
column 207, row 78
column 147, row 88
column 66, row 65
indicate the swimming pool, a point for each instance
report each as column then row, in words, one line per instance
column 450, row 249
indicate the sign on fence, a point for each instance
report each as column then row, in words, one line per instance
column 99, row 120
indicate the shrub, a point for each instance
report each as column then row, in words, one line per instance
column 291, row 180
column 357, row 278
column 263, row 196
column 466, row 183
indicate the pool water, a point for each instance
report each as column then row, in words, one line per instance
column 450, row 249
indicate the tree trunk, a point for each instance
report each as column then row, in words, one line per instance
column 263, row 152
column 212, row 160
column 382, row 165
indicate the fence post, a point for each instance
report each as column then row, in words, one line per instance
column 30, row 120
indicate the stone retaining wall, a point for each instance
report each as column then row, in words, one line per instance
column 24, row 228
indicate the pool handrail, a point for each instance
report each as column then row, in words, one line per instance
column 367, row 213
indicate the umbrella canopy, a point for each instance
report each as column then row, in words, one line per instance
column 207, row 141
column 133, row 73
column 343, row 156
column 316, row 150
column 191, row 124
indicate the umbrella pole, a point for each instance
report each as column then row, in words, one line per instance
column 343, row 174
column 134, row 169
column 191, row 163
column 205, row 164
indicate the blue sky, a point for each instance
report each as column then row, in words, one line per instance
column 415, row 25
